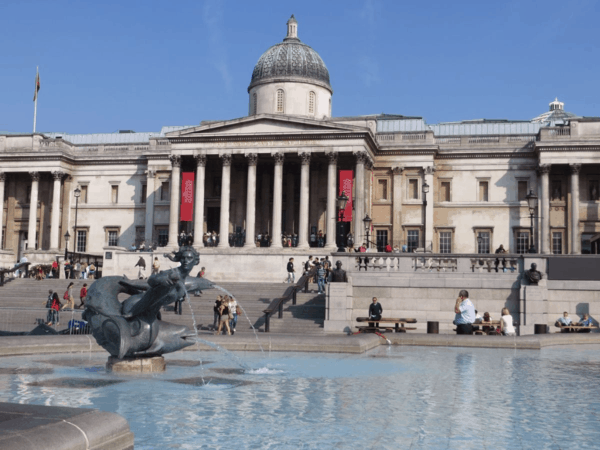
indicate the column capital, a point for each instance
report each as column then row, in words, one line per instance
column 575, row 168
column 305, row 157
column 544, row 169
column 226, row 159
column 397, row 170
column 35, row 176
column 332, row 157
column 252, row 159
column 369, row 164
column 428, row 170
column 175, row 160
column 361, row 157
column 58, row 175
column 2, row 176
column 278, row 158
column 200, row 160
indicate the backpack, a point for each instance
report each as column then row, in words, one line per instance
column 307, row 265
column 49, row 302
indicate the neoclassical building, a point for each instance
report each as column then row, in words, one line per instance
column 455, row 187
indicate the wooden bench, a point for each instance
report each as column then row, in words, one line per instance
column 397, row 328
column 576, row 329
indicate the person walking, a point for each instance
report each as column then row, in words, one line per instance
column 224, row 316
column 155, row 266
column 290, row 270
column 54, row 269
column 233, row 306
column 321, row 278
column 216, row 307
column 142, row 268
column 54, row 308
column 68, row 296
column 82, row 295
column 465, row 313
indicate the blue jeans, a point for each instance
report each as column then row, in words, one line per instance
column 321, row 284
column 233, row 322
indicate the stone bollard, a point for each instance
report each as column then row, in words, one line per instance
column 540, row 328
column 433, row 328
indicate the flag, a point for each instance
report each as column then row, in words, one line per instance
column 37, row 86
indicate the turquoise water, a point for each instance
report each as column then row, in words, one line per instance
column 391, row 397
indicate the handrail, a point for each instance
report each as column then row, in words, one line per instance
column 16, row 267
column 277, row 303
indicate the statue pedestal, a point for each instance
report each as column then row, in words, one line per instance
column 338, row 314
column 136, row 365
column 533, row 307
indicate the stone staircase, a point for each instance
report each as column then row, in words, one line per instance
column 306, row 317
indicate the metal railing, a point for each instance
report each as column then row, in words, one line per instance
column 290, row 293
column 20, row 321
column 4, row 272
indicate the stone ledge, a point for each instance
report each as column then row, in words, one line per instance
column 34, row 427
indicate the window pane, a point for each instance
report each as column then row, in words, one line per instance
column 81, row 241
column 163, row 237
column 483, row 191
column 144, row 193
column 556, row 190
column 557, row 243
column 522, row 242
column 594, row 190
column 483, row 242
column 113, row 239
column 446, row 242
column 522, row 193
column 412, row 240
column 164, row 191
column 382, row 240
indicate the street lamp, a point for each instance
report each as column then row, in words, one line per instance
column 425, row 191
column 532, row 202
column 367, row 220
column 67, row 236
column 342, row 201
column 77, row 195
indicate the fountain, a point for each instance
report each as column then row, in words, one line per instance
column 132, row 331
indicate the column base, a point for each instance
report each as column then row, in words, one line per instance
column 303, row 246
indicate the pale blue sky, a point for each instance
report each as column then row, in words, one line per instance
column 113, row 65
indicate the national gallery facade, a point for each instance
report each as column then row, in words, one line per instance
column 458, row 187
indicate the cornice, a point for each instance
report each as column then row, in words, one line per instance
column 486, row 155
column 571, row 148
column 428, row 151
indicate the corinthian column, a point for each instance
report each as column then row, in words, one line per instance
column 35, row 178
column 55, row 216
column 225, row 185
column 544, row 170
column 330, row 218
column 199, row 200
column 2, row 180
column 251, row 201
column 359, row 198
column 175, row 192
column 277, row 199
column 575, row 239
column 304, row 196
column 149, row 226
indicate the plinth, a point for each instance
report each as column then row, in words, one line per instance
column 136, row 365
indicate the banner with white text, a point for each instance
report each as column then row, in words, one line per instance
column 346, row 177
column 187, row 196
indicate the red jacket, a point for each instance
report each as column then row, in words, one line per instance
column 83, row 292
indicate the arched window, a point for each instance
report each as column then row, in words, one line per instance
column 311, row 103
column 254, row 104
column 280, row 101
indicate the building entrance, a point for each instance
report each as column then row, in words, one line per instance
column 213, row 218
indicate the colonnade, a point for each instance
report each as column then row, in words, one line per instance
column 276, row 230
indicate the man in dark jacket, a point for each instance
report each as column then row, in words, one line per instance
column 375, row 311
column 290, row 270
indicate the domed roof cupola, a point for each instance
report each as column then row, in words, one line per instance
column 555, row 116
column 291, row 60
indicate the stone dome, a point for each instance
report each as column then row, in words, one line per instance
column 291, row 60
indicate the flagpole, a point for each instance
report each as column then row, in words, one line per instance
column 35, row 107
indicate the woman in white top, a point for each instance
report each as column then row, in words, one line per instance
column 233, row 314
column 506, row 323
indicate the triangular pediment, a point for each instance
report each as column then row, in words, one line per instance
column 266, row 124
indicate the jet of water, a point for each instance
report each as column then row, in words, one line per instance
column 187, row 299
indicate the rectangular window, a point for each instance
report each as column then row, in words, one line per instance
column 163, row 237
column 557, row 242
column 382, row 189
column 164, row 191
column 522, row 190
column 446, row 242
column 412, row 240
column 113, row 238
column 445, row 191
column 140, row 233
column 84, row 194
column 144, row 193
column 413, row 189
column 522, row 242
column 483, row 242
column 81, row 241
column 483, row 191
column 382, row 240
column 114, row 194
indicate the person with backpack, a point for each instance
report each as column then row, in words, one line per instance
column 92, row 271
column 68, row 296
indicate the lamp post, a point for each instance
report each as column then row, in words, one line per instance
column 425, row 191
column 67, row 236
column 342, row 201
column 532, row 202
column 77, row 195
column 367, row 221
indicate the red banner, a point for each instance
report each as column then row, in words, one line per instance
column 187, row 196
column 346, row 177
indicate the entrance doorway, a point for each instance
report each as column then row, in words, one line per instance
column 22, row 244
column 213, row 219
